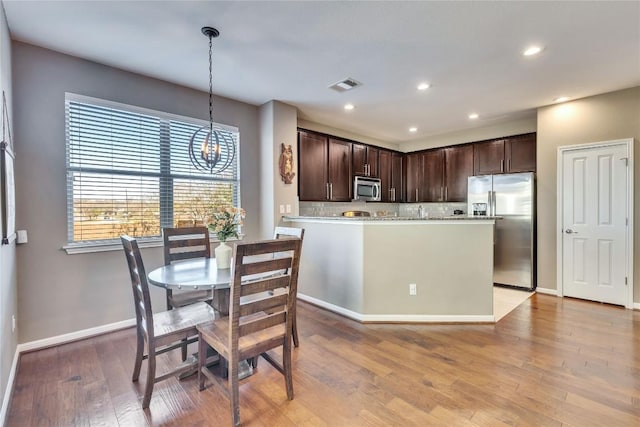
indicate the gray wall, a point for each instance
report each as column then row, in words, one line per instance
column 60, row 293
column 8, row 298
column 614, row 115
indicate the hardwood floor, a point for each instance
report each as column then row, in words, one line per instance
column 550, row 362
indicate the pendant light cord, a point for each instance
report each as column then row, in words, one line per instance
column 210, row 88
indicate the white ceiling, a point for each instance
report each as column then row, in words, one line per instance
column 292, row 51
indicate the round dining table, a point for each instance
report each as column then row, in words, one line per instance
column 200, row 273
column 195, row 274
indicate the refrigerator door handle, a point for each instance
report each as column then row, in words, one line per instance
column 493, row 204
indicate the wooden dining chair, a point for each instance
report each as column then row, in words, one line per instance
column 186, row 243
column 258, row 320
column 291, row 232
column 161, row 332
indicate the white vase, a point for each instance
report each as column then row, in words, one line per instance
column 223, row 256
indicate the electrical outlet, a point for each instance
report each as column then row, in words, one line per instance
column 288, row 208
column 413, row 290
column 13, row 323
column 281, row 208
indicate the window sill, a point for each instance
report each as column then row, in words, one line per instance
column 108, row 246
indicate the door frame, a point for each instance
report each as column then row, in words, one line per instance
column 628, row 143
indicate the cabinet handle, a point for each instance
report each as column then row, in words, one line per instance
column 441, row 192
column 502, row 165
column 368, row 169
column 331, row 191
column 508, row 164
column 327, row 187
column 416, row 195
column 446, row 193
column 393, row 194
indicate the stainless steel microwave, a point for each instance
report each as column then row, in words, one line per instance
column 366, row 188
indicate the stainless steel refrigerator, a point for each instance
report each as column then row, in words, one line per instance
column 511, row 198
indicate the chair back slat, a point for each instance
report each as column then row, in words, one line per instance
column 258, row 324
column 263, row 304
column 185, row 243
column 139, row 285
column 268, row 284
column 282, row 262
column 288, row 231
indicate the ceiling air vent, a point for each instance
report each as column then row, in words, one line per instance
column 345, row 85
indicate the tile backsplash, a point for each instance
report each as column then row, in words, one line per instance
column 379, row 209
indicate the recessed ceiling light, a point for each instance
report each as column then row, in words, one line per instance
column 561, row 99
column 349, row 107
column 532, row 50
column 473, row 116
column 424, row 86
column 413, row 129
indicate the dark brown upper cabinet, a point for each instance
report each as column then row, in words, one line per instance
column 505, row 155
column 390, row 172
column 324, row 168
column 413, row 177
column 458, row 168
column 520, row 153
column 433, row 176
column 365, row 160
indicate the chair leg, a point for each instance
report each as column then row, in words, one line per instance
column 202, row 356
column 169, row 294
column 286, row 365
column 234, row 394
column 294, row 327
column 184, row 350
column 139, row 353
column 151, row 376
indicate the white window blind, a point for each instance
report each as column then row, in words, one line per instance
column 129, row 172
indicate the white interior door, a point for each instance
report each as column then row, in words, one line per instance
column 595, row 223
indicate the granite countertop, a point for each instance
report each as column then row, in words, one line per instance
column 394, row 218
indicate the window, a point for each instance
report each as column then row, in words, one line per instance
column 128, row 172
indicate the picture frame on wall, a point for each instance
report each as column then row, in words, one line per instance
column 7, row 181
column 8, row 194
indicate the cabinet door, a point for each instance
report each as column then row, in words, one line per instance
column 433, row 175
column 397, row 190
column 488, row 157
column 359, row 159
column 372, row 161
column 312, row 167
column 339, row 170
column 520, row 153
column 384, row 169
column 457, row 168
column 414, row 176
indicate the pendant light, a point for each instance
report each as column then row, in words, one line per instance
column 210, row 150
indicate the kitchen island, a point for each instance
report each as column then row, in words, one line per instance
column 364, row 267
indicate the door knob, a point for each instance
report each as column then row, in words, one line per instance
column 570, row 231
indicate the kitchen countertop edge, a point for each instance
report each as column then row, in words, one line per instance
column 391, row 218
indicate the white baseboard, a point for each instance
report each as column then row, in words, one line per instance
column 636, row 305
column 75, row 336
column 547, row 291
column 398, row 318
column 9, row 389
